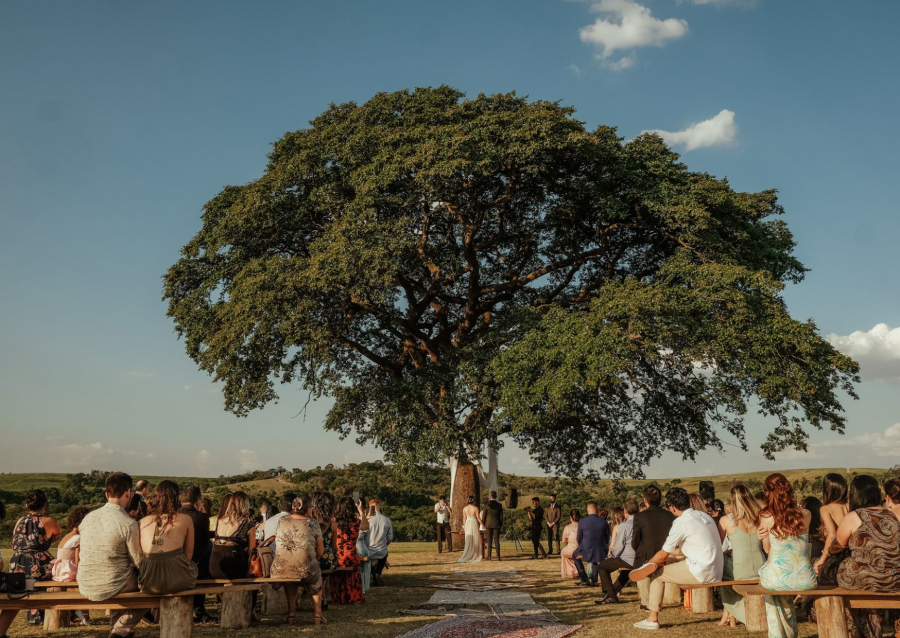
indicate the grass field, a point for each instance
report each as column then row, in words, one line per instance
column 411, row 564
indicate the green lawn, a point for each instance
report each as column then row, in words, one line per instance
column 407, row 579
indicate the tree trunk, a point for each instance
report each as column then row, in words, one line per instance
column 53, row 619
column 235, row 608
column 465, row 485
column 830, row 617
column 672, row 595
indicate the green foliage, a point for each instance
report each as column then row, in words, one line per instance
column 453, row 270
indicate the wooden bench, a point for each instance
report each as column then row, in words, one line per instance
column 830, row 604
column 754, row 604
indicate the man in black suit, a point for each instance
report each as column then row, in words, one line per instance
column 190, row 497
column 493, row 521
column 554, row 514
column 536, row 514
column 651, row 527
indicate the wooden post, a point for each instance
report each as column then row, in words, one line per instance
column 672, row 595
column 702, row 600
column 830, row 617
column 176, row 617
column 54, row 619
column 755, row 613
column 235, row 608
column 465, row 485
column 274, row 602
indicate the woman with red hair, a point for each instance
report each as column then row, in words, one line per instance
column 784, row 532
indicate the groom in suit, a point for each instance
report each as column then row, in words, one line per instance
column 593, row 543
column 493, row 521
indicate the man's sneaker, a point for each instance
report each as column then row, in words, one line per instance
column 642, row 572
column 646, row 624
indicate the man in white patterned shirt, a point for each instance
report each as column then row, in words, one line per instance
column 110, row 553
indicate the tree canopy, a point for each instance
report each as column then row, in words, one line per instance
column 454, row 270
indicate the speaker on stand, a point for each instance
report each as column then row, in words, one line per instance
column 511, row 503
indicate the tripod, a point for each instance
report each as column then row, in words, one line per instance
column 512, row 534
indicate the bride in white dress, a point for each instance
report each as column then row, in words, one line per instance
column 472, row 550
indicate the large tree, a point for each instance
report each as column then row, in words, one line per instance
column 454, row 270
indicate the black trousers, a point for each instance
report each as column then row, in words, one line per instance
column 582, row 574
column 493, row 540
column 443, row 534
column 553, row 533
column 536, row 541
column 606, row 568
column 378, row 566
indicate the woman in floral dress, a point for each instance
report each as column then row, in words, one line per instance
column 784, row 532
column 346, row 586
column 33, row 535
column 298, row 548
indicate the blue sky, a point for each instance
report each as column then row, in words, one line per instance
column 118, row 121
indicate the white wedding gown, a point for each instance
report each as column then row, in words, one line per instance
column 472, row 550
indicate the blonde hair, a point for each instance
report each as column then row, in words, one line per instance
column 238, row 509
column 698, row 503
column 744, row 506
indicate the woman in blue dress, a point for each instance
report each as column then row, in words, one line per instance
column 784, row 532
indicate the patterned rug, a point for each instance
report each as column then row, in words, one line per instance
column 469, row 627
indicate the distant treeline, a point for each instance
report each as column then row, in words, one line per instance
column 408, row 500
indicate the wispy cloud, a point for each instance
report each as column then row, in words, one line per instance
column 249, row 460
column 880, row 444
column 203, row 457
column 716, row 131
column 877, row 352
column 625, row 25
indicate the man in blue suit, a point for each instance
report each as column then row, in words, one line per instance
column 593, row 543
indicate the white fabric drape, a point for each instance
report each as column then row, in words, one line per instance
column 488, row 480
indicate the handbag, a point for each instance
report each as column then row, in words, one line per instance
column 13, row 585
column 256, row 565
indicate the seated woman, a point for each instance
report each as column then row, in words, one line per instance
column 570, row 544
column 33, row 535
column 167, row 541
column 65, row 566
column 298, row 549
column 349, row 519
column 872, row 533
column 234, row 539
column 741, row 527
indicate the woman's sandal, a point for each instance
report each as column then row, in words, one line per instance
column 320, row 619
column 291, row 618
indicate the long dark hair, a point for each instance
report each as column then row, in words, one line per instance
column 814, row 506
column 322, row 508
column 345, row 515
column 164, row 502
column 834, row 489
column 864, row 492
column 782, row 506
column 35, row 500
column 76, row 516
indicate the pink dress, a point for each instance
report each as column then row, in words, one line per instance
column 569, row 535
column 64, row 568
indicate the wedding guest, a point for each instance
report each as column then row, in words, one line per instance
column 346, row 586
column 570, row 542
column 234, row 539
column 834, row 509
column 493, row 523
column 699, row 560
column 167, row 540
column 33, row 535
column 816, row 540
column 783, row 530
column 891, row 496
column 872, row 534
column 191, row 506
column 699, row 503
column 593, row 545
column 381, row 534
column 746, row 557
column 111, row 554
column 443, row 512
column 536, row 516
column 621, row 555
column 142, row 488
column 649, row 531
column 299, row 544
column 65, row 567
column 285, row 504
column 362, row 548
column 553, row 514
column 322, row 511
column 760, row 499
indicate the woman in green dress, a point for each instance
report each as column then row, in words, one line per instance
column 746, row 557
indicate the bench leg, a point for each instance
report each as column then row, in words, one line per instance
column 831, row 618
column 274, row 602
column 755, row 613
column 176, row 617
column 54, row 619
column 235, row 609
column 671, row 595
column 702, row 600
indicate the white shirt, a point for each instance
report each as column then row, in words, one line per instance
column 272, row 524
column 443, row 512
column 698, row 537
column 110, row 546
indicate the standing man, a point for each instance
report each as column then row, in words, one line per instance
column 493, row 521
column 553, row 516
column 381, row 534
column 593, row 542
column 621, row 557
column 536, row 514
column 110, row 553
column 190, row 500
column 443, row 512
column 650, row 529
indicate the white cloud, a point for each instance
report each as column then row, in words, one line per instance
column 574, row 68
column 716, row 131
column 625, row 62
column 83, row 456
column 203, row 457
column 187, row 387
column 152, row 455
column 249, row 460
column 877, row 351
column 879, row 444
column 625, row 25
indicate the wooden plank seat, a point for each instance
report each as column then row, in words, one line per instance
column 754, row 605
column 830, row 603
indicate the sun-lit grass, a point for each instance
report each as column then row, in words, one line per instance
column 411, row 565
